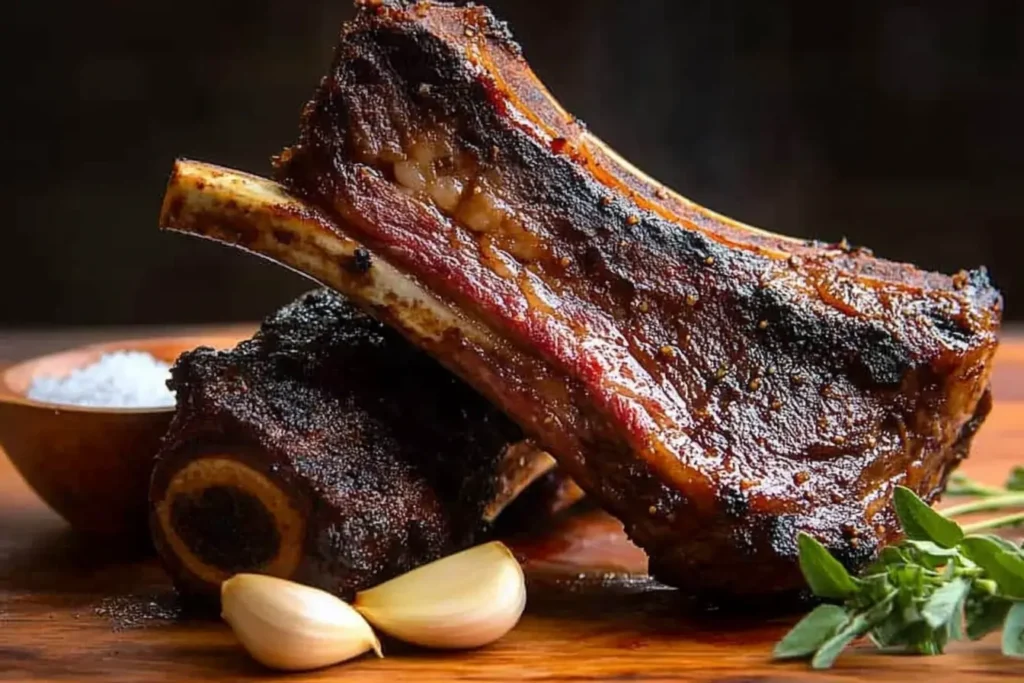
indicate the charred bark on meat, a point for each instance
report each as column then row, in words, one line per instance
column 715, row 386
column 326, row 450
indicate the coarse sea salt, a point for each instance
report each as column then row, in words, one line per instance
column 122, row 379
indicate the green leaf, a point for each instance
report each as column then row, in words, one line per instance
column 826, row 576
column 930, row 554
column 872, row 590
column 1006, row 545
column 956, row 626
column 890, row 632
column 1013, row 631
column 922, row 523
column 889, row 556
column 1016, row 480
column 931, row 549
column 985, row 615
column 854, row 628
column 893, row 554
column 810, row 633
column 1003, row 566
column 882, row 611
column 941, row 607
column 914, row 579
column 858, row 625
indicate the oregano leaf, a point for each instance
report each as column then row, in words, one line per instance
column 930, row 554
column 1013, row 631
column 826, row 576
column 985, row 615
column 1002, row 565
column 956, row 626
column 1005, row 544
column 921, row 523
column 810, row 633
column 831, row 648
column 942, row 605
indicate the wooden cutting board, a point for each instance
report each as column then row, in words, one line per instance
column 71, row 609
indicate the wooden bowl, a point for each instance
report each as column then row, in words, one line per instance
column 92, row 465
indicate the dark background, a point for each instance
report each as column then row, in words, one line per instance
column 894, row 125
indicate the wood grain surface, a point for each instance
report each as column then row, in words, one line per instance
column 74, row 609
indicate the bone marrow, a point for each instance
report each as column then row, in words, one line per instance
column 208, row 520
column 219, row 517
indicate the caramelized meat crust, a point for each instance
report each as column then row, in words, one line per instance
column 351, row 456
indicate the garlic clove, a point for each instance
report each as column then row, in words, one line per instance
column 466, row 600
column 285, row 625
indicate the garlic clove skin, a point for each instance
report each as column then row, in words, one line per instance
column 466, row 600
column 291, row 627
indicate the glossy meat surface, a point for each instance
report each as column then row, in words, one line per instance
column 716, row 387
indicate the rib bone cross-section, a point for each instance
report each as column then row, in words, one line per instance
column 717, row 387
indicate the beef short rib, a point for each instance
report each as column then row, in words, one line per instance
column 717, row 387
column 328, row 450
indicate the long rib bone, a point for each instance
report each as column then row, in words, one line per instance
column 259, row 215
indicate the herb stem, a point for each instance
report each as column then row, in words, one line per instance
column 996, row 523
column 994, row 503
column 968, row 487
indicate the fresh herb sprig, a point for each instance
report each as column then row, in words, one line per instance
column 989, row 498
column 962, row 485
column 943, row 582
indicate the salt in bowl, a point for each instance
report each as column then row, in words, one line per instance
column 90, row 464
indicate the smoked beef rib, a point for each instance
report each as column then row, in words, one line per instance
column 717, row 387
